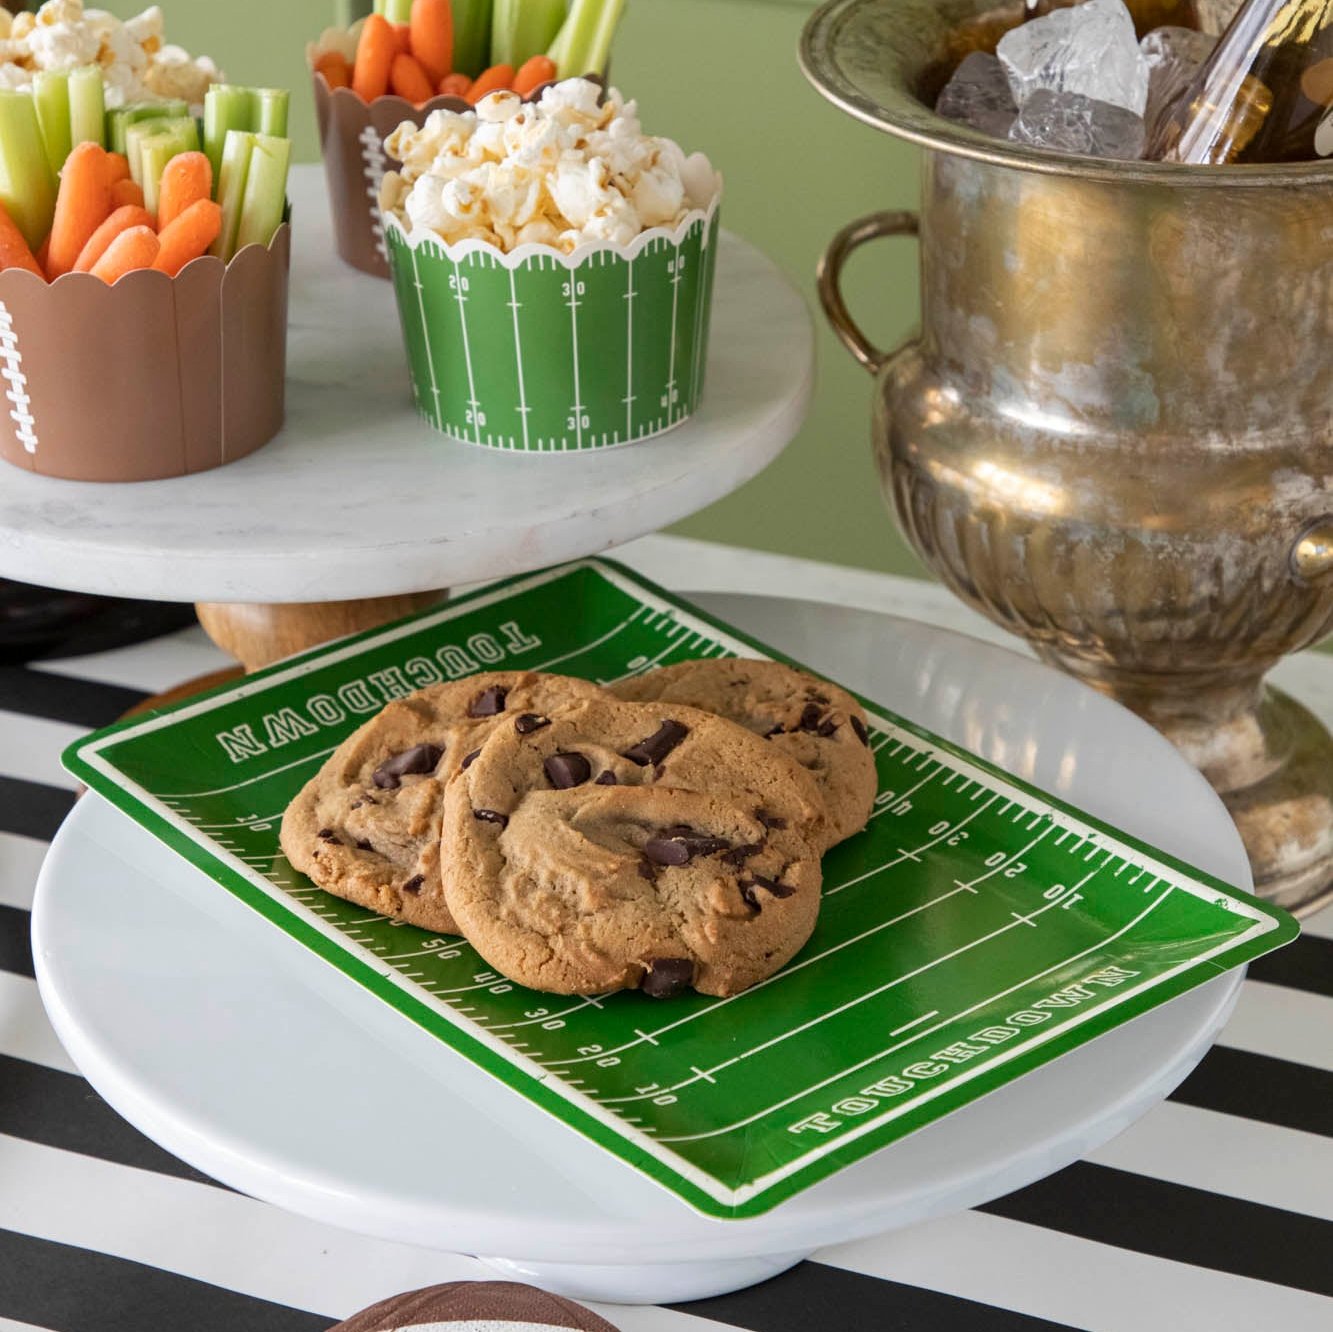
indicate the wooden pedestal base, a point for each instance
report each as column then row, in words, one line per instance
column 258, row 635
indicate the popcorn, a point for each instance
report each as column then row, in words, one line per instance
column 136, row 65
column 573, row 167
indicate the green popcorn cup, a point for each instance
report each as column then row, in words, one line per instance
column 540, row 352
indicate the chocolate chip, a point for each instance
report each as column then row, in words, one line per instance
column 608, row 778
column 861, row 733
column 667, row 851
column 810, row 718
column 679, row 845
column 659, row 772
column 737, row 856
column 489, row 703
column 364, row 845
column 566, row 770
column 770, row 820
column 419, row 759
column 529, row 722
column 413, row 885
column 667, row 977
column 647, row 870
column 658, row 745
column 356, row 804
column 327, row 835
column 470, row 760
column 827, row 728
column 770, row 886
column 772, row 731
column 491, row 816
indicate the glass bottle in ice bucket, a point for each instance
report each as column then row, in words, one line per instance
column 1264, row 95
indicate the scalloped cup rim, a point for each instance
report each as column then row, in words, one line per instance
column 152, row 274
column 419, row 238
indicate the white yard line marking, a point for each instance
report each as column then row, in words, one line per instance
column 893, row 1049
column 523, row 408
column 772, row 980
column 236, row 786
column 549, row 1017
column 911, row 791
column 652, row 661
column 1006, row 863
column 572, row 286
column 425, row 335
column 915, row 1022
column 473, row 405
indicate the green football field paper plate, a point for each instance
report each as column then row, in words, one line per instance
column 975, row 930
column 536, row 352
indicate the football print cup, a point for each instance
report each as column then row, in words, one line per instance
column 535, row 351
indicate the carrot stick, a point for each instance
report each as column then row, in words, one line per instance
column 335, row 69
column 117, row 167
column 100, row 241
column 374, row 58
column 136, row 248
column 126, row 192
column 188, row 236
column 403, row 32
column 14, row 251
column 187, row 177
column 455, row 85
column 409, row 80
column 433, row 36
column 489, row 81
column 82, row 205
column 533, row 73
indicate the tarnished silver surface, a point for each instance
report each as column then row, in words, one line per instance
column 1114, row 434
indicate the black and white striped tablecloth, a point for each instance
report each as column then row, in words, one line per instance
column 1214, row 1212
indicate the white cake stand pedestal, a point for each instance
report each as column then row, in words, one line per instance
column 259, row 1064
column 360, row 503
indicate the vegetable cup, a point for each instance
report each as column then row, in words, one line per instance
column 536, row 351
column 351, row 138
column 148, row 378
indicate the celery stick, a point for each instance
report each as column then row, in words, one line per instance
column 584, row 42
column 270, row 111
column 155, row 150
column 521, row 29
column 27, row 183
column 472, row 35
column 226, row 108
column 50, row 90
column 396, row 11
column 120, row 118
column 265, row 190
column 237, row 149
column 87, row 105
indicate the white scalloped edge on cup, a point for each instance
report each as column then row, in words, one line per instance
column 422, row 236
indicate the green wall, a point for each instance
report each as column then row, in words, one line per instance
column 718, row 75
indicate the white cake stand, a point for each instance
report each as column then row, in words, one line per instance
column 359, row 499
column 255, row 1062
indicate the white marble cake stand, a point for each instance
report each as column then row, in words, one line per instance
column 256, row 1062
column 359, row 498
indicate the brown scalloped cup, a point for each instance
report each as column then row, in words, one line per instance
column 351, row 140
column 153, row 377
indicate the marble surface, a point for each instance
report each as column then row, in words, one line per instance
column 358, row 497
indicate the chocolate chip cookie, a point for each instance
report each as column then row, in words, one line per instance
column 822, row 727
column 366, row 827
column 607, row 846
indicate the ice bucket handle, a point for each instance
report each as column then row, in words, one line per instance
column 829, row 277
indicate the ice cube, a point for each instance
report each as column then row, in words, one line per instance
column 1214, row 15
column 1090, row 49
column 978, row 95
column 1174, row 56
column 1071, row 123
